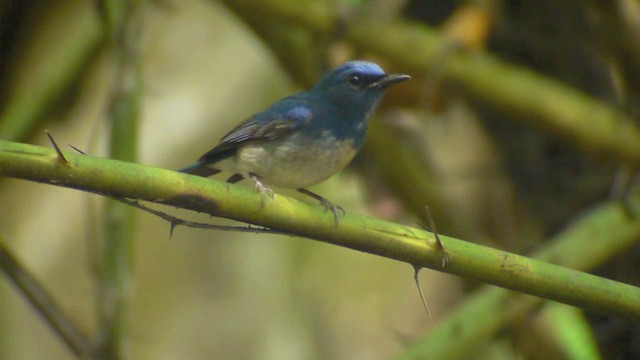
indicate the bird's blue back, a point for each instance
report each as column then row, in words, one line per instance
column 332, row 108
column 305, row 138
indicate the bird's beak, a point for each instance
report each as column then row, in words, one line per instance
column 388, row 80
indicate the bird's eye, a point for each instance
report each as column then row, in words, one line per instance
column 356, row 80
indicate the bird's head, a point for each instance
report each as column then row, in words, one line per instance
column 357, row 86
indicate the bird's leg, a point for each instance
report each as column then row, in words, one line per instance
column 326, row 203
column 261, row 188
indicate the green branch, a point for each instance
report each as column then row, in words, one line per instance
column 593, row 239
column 357, row 232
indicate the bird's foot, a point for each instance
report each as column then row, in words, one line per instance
column 334, row 210
column 327, row 205
column 262, row 189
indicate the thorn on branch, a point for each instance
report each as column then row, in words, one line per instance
column 78, row 150
column 434, row 230
column 61, row 157
column 44, row 303
column 416, row 270
column 432, row 225
column 173, row 225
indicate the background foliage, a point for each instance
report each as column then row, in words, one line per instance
column 495, row 168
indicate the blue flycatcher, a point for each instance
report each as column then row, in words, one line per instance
column 305, row 138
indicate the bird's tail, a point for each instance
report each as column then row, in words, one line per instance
column 199, row 169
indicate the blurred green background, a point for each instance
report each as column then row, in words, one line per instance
column 204, row 66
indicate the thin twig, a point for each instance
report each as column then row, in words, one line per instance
column 175, row 221
column 43, row 303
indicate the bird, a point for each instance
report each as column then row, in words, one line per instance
column 303, row 139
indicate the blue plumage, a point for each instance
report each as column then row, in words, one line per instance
column 305, row 138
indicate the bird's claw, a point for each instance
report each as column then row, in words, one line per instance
column 334, row 210
column 327, row 205
column 263, row 190
column 445, row 260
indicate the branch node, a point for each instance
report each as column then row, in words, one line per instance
column 173, row 224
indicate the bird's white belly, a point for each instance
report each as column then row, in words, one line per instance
column 295, row 164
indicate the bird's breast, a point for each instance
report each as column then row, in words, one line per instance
column 296, row 161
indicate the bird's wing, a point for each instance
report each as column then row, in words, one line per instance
column 263, row 126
